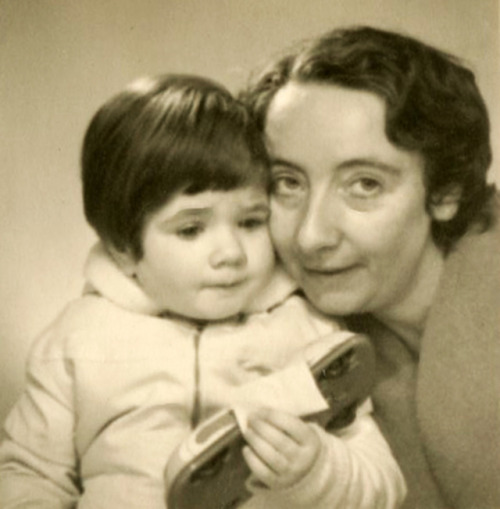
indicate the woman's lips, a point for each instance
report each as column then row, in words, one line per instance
column 332, row 277
column 329, row 271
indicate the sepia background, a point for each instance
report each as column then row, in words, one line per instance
column 60, row 59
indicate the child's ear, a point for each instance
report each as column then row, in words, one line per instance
column 125, row 260
column 444, row 206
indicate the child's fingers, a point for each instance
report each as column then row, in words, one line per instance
column 261, row 470
column 280, row 428
column 271, row 431
column 269, row 444
column 282, row 448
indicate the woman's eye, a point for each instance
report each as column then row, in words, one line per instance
column 190, row 232
column 366, row 187
column 286, row 185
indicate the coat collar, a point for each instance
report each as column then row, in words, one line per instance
column 104, row 277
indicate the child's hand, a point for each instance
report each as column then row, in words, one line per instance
column 282, row 448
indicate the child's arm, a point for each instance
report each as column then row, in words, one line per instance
column 304, row 466
column 37, row 458
column 23, row 483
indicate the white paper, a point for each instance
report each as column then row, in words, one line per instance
column 292, row 389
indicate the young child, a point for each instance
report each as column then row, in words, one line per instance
column 183, row 303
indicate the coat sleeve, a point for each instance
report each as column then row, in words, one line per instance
column 355, row 469
column 38, row 466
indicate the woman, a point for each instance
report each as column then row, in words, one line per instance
column 382, row 212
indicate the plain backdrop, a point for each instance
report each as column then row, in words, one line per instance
column 60, row 59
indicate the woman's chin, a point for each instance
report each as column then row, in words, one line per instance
column 338, row 303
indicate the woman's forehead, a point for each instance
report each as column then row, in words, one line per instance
column 312, row 127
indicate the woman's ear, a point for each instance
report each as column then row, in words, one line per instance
column 444, row 206
column 125, row 260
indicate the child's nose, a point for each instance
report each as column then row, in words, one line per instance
column 228, row 250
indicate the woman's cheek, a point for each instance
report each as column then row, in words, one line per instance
column 282, row 227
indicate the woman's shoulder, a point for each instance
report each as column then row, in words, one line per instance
column 472, row 271
column 459, row 370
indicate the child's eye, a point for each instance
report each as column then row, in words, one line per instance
column 252, row 223
column 190, row 232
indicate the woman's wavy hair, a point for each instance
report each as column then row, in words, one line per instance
column 433, row 107
column 161, row 136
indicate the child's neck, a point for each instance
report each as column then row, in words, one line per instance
column 201, row 323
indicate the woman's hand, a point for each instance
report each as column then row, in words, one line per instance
column 281, row 448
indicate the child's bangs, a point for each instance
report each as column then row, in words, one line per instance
column 225, row 165
column 222, row 158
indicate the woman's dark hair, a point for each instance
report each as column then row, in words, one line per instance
column 158, row 137
column 433, row 107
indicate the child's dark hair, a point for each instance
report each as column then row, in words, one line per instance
column 159, row 137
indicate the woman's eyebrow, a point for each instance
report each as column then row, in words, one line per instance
column 283, row 162
column 369, row 163
column 344, row 165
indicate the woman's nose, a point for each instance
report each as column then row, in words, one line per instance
column 228, row 250
column 320, row 225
